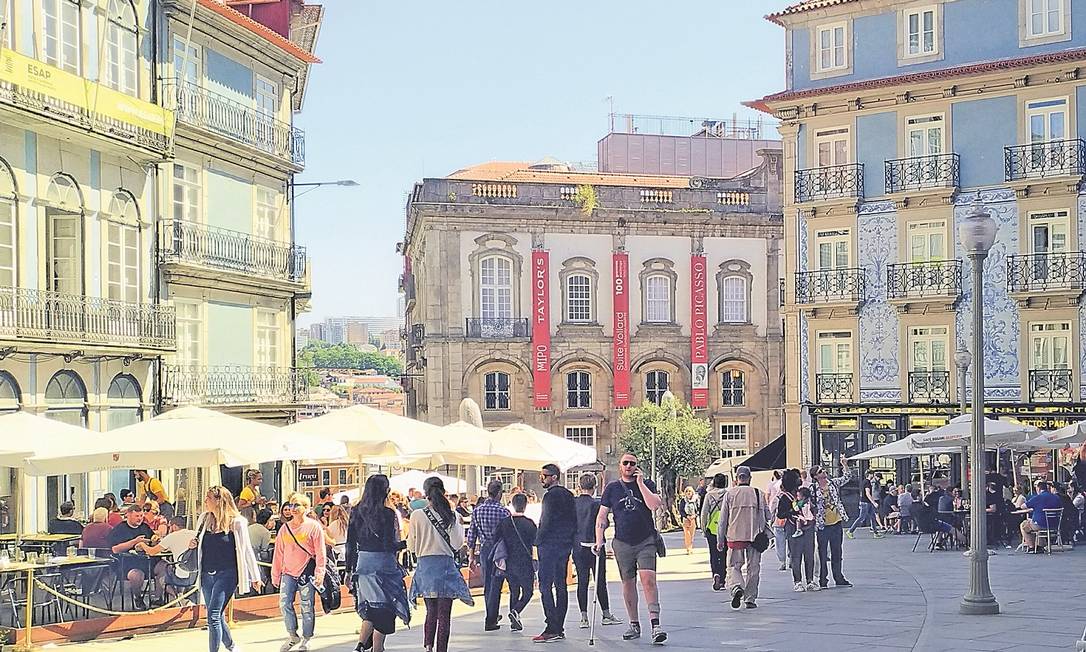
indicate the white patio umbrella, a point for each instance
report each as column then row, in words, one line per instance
column 183, row 438
column 904, row 448
column 39, row 435
column 374, row 435
column 997, row 433
column 415, row 478
column 1040, row 443
column 1069, row 435
column 521, row 441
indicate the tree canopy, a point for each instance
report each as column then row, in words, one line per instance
column 684, row 442
column 347, row 356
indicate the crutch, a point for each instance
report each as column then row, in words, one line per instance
column 595, row 578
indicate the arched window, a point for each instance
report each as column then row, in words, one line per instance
column 64, row 235
column 125, row 405
column 8, row 201
column 496, row 287
column 733, row 388
column 66, row 398
column 9, row 393
column 578, row 298
column 121, row 68
column 578, row 389
column 657, row 299
column 123, row 249
column 656, row 385
column 61, row 34
column 733, row 301
column 496, row 391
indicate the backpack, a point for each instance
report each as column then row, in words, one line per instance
column 713, row 522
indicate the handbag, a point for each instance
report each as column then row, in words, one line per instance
column 761, row 540
column 661, row 547
column 189, row 560
column 458, row 555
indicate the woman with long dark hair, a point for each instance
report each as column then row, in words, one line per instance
column 373, row 539
column 435, row 536
column 799, row 535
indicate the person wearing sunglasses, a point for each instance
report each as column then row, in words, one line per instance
column 830, row 517
column 554, row 542
column 633, row 500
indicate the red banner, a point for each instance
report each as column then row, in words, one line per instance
column 541, row 330
column 621, row 353
column 699, row 344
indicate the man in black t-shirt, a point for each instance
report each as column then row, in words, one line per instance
column 633, row 499
column 128, row 540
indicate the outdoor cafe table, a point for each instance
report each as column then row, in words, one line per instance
column 43, row 542
column 29, row 568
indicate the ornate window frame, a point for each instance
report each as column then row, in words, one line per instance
column 495, row 244
column 655, row 267
column 580, row 266
column 733, row 268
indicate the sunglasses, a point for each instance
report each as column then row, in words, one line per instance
column 629, row 463
column 149, row 509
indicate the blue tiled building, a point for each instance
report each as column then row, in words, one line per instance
column 898, row 118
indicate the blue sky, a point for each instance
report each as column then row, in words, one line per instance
column 413, row 89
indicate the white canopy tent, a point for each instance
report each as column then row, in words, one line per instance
column 373, row 435
column 523, row 442
column 1070, row 435
column 904, row 448
column 409, row 480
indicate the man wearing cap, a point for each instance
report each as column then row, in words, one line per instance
column 744, row 513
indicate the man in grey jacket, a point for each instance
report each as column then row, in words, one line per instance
column 743, row 514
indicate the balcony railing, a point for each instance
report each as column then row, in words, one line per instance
column 830, row 182
column 234, row 385
column 929, row 386
column 922, row 172
column 1051, row 385
column 208, row 110
column 1054, row 158
column 833, row 388
column 831, row 286
column 939, row 278
column 1043, row 272
column 232, row 251
column 497, row 328
column 85, row 321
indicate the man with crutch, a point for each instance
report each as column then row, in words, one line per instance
column 585, row 561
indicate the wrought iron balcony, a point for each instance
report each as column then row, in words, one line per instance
column 1054, row 158
column 939, row 278
column 407, row 286
column 830, row 182
column 845, row 285
column 497, row 328
column 1051, row 385
column 929, row 386
column 245, row 124
column 922, row 172
column 1044, row 272
column 231, row 251
column 234, row 385
column 833, row 388
column 43, row 316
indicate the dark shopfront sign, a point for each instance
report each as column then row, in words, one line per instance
column 308, row 475
column 1046, row 416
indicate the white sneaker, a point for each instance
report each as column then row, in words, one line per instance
column 303, row 646
column 289, row 644
column 811, row 586
column 799, row 588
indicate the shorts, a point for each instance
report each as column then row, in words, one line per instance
column 632, row 558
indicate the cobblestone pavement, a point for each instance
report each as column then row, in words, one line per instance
column 901, row 601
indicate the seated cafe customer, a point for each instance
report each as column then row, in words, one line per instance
column 260, row 535
column 128, row 541
column 1042, row 500
column 96, row 534
column 173, row 544
column 66, row 523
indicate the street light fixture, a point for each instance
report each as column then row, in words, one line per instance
column 350, row 183
column 977, row 233
column 961, row 361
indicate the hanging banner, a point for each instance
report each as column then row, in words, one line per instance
column 541, row 330
column 699, row 344
column 621, row 352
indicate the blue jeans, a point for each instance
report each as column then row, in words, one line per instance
column 781, row 541
column 217, row 588
column 867, row 516
column 288, row 587
column 553, row 564
column 492, row 584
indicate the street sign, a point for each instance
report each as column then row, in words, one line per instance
column 308, row 475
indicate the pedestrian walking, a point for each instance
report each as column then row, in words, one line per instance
column 688, row 508
column 780, row 537
column 869, row 505
column 436, row 537
column 794, row 509
column 555, row 540
column 744, row 515
column 373, row 541
column 483, row 531
column 633, row 499
column 830, row 517
column 587, row 563
column 225, row 559
column 710, row 519
column 517, row 533
column 298, row 565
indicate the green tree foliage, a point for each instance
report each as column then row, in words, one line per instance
column 684, row 442
column 347, row 356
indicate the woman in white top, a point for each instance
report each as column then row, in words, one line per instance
column 336, row 530
column 435, row 535
column 225, row 559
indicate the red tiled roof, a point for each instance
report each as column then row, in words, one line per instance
column 920, row 77
column 800, row 7
column 270, row 35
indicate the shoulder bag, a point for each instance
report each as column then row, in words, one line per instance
column 761, row 540
column 189, row 560
column 457, row 555
column 329, row 590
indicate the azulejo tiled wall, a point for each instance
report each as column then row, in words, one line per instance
column 878, row 321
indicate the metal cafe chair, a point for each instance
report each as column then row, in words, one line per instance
column 1051, row 532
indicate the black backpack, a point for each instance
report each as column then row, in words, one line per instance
column 331, row 596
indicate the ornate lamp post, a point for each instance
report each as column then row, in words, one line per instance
column 977, row 233
column 961, row 361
